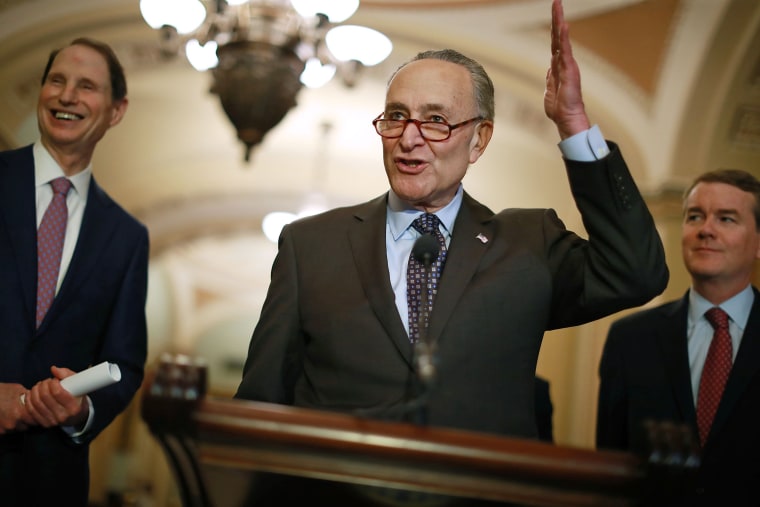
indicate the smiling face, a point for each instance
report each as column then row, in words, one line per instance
column 75, row 106
column 719, row 239
column 426, row 174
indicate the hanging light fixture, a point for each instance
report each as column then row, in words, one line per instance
column 262, row 52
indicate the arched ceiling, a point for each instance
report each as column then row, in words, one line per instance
column 675, row 82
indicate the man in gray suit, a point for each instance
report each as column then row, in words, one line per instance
column 653, row 361
column 334, row 332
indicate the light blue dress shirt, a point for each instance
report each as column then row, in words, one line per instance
column 699, row 331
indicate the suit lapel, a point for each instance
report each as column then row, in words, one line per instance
column 671, row 339
column 466, row 249
column 95, row 233
column 18, row 212
column 367, row 239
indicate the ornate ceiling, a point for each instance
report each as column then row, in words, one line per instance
column 675, row 82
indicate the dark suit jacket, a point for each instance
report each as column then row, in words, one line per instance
column 98, row 315
column 544, row 410
column 330, row 336
column 644, row 374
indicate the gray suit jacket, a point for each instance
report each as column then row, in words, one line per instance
column 330, row 336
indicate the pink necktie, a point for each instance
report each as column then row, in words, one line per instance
column 715, row 373
column 49, row 246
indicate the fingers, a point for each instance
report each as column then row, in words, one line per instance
column 36, row 407
column 47, row 403
column 560, row 42
column 558, row 20
column 61, row 373
column 559, row 38
column 555, row 34
column 563, row 102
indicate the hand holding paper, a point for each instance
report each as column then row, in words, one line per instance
column 90, row 380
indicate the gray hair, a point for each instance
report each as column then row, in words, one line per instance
column 481, row 83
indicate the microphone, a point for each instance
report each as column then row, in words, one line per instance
column 425, row 250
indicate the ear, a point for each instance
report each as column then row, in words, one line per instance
column 483, row 133
column 119, row 109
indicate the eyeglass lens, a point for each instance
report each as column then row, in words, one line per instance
column 432, row 131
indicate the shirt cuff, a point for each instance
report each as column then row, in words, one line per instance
column 585, row 146
column 72, row 432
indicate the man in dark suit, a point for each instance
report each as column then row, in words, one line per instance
column 653, row 361
column 98, row 312
column 334, row 328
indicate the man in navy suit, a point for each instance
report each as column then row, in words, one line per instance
column 98, row 312
column 653, row 360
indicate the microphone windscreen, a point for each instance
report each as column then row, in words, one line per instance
column 426, row 249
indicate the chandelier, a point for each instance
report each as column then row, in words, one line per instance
column 262, row 52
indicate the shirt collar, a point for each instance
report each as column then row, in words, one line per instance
column 738, row 307
column 400, row 216
column 47, row 169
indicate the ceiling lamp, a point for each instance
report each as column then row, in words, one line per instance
column 262, row 52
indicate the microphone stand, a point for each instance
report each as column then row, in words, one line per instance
column 426, row 251
column 424, row 348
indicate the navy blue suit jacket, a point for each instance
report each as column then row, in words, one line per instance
column 98, row 315
column 644, row 374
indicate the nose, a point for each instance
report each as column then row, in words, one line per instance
column 68, row 94
column 412, row 134
column 706, row 229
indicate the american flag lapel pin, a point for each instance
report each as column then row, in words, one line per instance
column 482, row 238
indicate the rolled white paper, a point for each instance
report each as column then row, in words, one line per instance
column 92, row 378
column 89, row 380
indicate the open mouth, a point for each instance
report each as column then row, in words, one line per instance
column 409, row 163
column 63, row 115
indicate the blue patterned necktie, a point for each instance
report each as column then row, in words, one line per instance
column 416, row 275
column 50, row 238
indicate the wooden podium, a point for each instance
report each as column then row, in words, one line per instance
column 221, row 450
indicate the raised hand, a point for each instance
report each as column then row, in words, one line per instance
column 563, row 102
